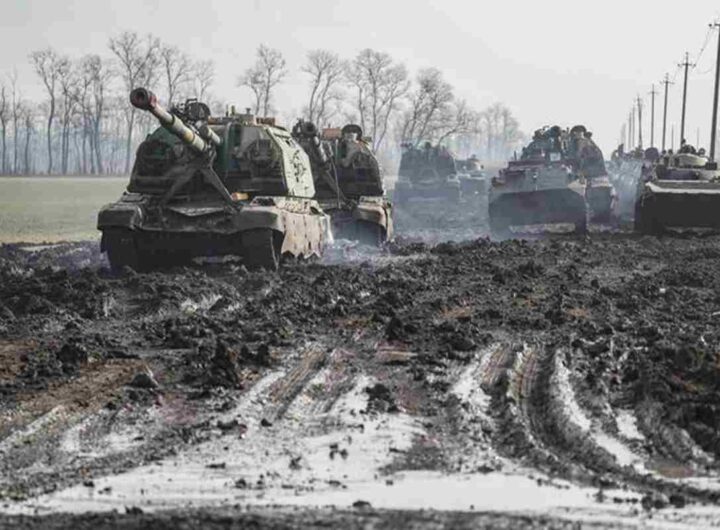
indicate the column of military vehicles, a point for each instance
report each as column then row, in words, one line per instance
column 241, row 185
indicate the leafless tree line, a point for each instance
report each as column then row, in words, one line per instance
column 378, row 93
column 84, row 125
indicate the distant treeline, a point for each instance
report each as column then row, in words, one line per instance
column 85, row 125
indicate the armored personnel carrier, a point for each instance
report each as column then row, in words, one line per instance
column 210, row 186
column 681, row 191
column 348, row 182
column 429, row 172
column 560, row 178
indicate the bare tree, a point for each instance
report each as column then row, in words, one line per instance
column 326, row 73
column 4, row 116
column 458, row 119
column 15, row 111
column 268, row 71
column 99, row 75
column 253, row 80
column 47, row 64
column 176, row 68
column 203, row 75
column 511, row 134
column 68, row 80
column 138, row 58
column 501, row 129
column 379, row 83
column 84, row 101
column 430, row 108
column 29, row 119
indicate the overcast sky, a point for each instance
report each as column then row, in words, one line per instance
column 554, row 61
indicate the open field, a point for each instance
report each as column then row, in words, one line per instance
column 49, row 209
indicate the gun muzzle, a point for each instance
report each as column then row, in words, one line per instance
column 144, row 99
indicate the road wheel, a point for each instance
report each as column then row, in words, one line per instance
column 260, row 249
column 122, row 250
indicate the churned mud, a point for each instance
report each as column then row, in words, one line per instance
column 548, row 383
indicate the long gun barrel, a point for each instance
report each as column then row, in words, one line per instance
column 144, row 99
column 307, row 131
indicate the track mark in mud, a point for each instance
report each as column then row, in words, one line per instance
column 284, row 391
column 679, row 453
column 494, row 366
column 541, row 423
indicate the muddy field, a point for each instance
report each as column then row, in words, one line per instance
column 556, row 382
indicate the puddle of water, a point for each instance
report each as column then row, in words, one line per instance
column 415, row 490
column 290, row 457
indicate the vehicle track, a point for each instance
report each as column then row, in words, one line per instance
column 538, row 424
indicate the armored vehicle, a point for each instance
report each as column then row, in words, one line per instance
column 560, row 178
column 681, row 191
column 626, row 169
column 429, row 172
column 473, row 181
column 210, row 186
column 348, row 182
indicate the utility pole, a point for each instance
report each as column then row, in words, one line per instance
column 687, row 65
column 713, row 131
column 653, row 93
column 672, row 137
column 666, row 82
column 640, row 107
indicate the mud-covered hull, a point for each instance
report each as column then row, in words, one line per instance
column 677, row 204
column 368, row 220
column 539, row 207
column 148, row 234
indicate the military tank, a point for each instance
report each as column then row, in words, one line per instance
column 429, row 172
column 348, row 182
column 560, row 178
column 681, row 191
column 212, row 186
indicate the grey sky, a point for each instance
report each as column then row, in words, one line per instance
column 553, row 61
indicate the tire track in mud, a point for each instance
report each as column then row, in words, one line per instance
column 540, row 424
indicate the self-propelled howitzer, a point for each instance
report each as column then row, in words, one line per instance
column 209, row 186
column 348, row 181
